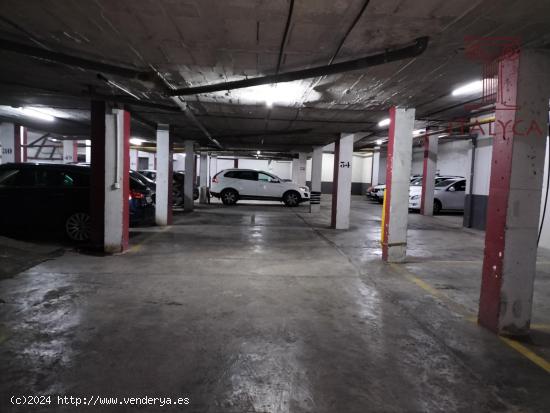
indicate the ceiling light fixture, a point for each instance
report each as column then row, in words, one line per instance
column 384, row 122
column 469, row 88
column 37, row 114
column 258, row 152
column 136, row 141
column 379, row 142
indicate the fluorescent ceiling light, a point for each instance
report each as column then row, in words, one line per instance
column 379, row 142
column 469, row 88
column 258, row 152
column 136, row 141
column 418, row 132
column 443, row 135
column 384, row 122
column 37, row 114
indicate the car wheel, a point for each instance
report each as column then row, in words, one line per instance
column 291, row 198
column 229, row 196
column 78, row 226
column 437, row 206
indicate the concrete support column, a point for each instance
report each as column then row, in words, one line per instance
column 110, row 179
column 428, row 175
column 521, row 126
column 10, row 139
column 213, row 170
column 299, row 169
column 134, row 159
column 70, row 151
column 316, row 175
column 188, row 203
column 88, row 151
column 163, row 207
column 341, row 183
column 398, row 171
column 203, row 179
column 24, row 142
column 375, row 167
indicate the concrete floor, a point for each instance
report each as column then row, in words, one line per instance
column 260, row 308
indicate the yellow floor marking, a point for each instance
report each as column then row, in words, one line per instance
column 520, row 348
column 137, row 247
column 525, row 352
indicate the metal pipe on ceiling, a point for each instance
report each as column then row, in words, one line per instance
column 39, row 53
column 390, row 55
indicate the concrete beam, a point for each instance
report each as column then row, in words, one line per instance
column 398, row 171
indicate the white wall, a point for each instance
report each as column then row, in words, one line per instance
column 545, row 233
column 452, row 158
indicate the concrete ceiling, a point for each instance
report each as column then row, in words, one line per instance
column 192, row 42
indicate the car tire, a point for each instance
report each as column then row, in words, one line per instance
column 229, row 196
column 78, row 227
column 291, row 198
column 437, row 206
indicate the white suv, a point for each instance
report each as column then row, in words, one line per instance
column 233, row 184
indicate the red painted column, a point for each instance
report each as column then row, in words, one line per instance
column 110, row 181
column 97, row 181
column 398, row 171
column 514, row 195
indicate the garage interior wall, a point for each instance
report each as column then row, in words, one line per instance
column 361, row 170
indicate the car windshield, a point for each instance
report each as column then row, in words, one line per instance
column 444, row 183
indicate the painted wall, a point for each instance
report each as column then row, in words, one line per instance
column 452, row 158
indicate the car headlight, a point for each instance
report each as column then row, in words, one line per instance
column 304, row 188
column 414, row 197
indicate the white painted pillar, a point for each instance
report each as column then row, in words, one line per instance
column 428, row 175
column 10, row 141
column 70, row 151
column 117, row 141
column 134, row 159
column 375, row 167
column 341, row 183
column 163, row 207
column 188, row 202
column 398, row 171
column 203, row 178
column 88, row 153
column 301, row 172
column 316, row 175
column 213, row 170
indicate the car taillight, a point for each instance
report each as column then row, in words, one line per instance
column 136, row 195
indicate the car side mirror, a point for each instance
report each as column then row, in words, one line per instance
column 451, row 189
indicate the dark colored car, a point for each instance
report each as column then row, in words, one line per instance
column 178, row 179
column 57, row 197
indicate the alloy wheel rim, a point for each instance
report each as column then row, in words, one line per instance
column 78, row 226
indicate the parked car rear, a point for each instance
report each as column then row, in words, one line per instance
column 56, row 197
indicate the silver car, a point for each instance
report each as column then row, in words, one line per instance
column 449, row 194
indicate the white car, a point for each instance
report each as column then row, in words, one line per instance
column 231, row 185
column 449, row 194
